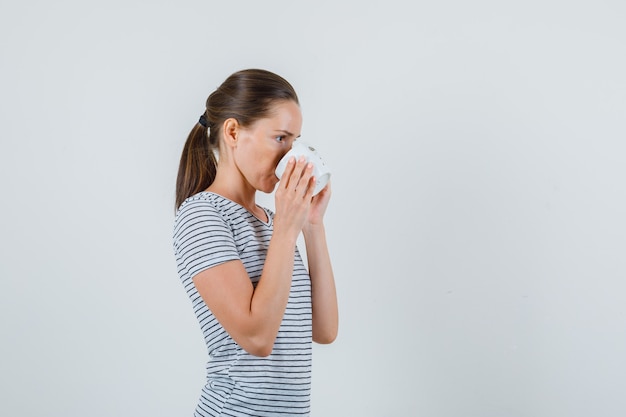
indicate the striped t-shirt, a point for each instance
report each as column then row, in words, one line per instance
column 209, row 230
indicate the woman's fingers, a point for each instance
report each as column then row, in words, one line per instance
column 304, row 183
column 310, row 187
column 294, row 196
column 297, row 175
column 284, row 181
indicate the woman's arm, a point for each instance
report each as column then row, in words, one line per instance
column 251, row 316
column 323, row 292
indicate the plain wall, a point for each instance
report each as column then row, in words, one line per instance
column 477, row 224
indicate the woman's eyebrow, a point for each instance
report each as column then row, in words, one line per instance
column 288, row 133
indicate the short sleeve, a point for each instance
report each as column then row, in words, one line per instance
column 202, row 238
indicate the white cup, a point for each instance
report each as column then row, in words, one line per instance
column 321, row 172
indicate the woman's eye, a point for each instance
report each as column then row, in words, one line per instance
column 280, row 138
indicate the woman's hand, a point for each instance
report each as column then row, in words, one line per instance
column 319, row 203
column 294, row 198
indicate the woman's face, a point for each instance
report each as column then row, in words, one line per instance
column 261, row 145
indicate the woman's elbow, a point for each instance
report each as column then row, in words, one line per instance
column 259, row 347
column 261, row 351
column 325, row 338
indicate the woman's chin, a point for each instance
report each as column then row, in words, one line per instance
column 269, row 186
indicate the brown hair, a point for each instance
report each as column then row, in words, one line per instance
column 246, row 96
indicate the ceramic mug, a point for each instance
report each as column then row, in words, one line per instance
column 321, row 172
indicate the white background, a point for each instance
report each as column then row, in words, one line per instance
column 477, row 221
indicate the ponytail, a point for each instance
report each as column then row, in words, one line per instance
column 197, row 165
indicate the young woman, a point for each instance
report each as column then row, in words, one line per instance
column 258, row 307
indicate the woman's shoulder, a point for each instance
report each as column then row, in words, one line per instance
column 206, row 202
column 203, row 211
column 199, row 201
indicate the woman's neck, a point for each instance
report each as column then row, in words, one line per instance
column 236, row 189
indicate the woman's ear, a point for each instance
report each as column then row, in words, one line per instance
column 230, row 130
